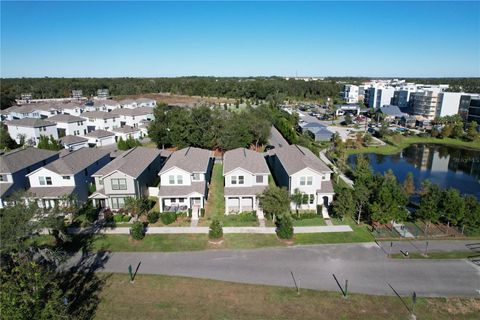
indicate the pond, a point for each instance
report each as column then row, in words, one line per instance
column 445, row 166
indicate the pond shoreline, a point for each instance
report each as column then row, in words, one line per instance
column 392, row 148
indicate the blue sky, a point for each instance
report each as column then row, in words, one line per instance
column 96, row 39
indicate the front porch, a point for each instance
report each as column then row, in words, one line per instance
column 181, row 204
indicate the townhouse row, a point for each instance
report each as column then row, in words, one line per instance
column 180, row 180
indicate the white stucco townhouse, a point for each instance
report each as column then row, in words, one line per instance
column 31, row 130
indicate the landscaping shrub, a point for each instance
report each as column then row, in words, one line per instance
column 284, row 228
column 246, row 216
column 189, row 212
column 118, row 218
column 153, row 216
column 319, row 209
column 305, row 215
column 202, row 212
column 168, row 217
column 126, row 218
column 137, row 231
column 108, row 215
column 216, row 230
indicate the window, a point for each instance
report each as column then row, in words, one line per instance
column 3, row 178
column 234, row 180
column 259, row 179
column 309, row 181
column 196, row 177
column 118, row 203
column 181, row 200
column 100, row 182
column 241, row 180
column 66, row 177
column 105, row 121
column 48, row 180
column 179, row 179
column 119, row 184
column 312, row 198
column 302, row 181
column 171, row 179
column 41, row 180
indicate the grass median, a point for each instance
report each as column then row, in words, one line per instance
column 438, row 255
column 167, row 297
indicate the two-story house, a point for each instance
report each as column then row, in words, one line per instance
column 245, row 175
column 69, row 125
column 126, row 132
column 184, row 180
column 16, row 164
column 30, row 130
column 74, row 142
column 99, row 120
column 102, row 105
column 129, row 175
column 134, row 117
column 128, row 103
column 295, row 167
column 72, row 108
column 146, row 102
column 71, row 174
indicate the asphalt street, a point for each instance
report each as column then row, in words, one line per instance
column 366, row 267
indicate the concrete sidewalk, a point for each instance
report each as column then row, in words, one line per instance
column 204, row 230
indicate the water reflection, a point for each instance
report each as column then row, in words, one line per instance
column 445, row 166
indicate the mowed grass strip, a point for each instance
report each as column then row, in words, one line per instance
column 215, row 206
column 438, row 255
column 166, row 297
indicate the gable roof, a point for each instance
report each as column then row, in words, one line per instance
column 249, row 160
column 19, row 159
column 65, row 118
column 76, row 161
column 133, row 112
column 72, row 139
column 99, row 115
column 127, row 101
column 190, row 159
column 295, row 158
column 132, row 162
column 107, row 102
column 30, row 122
column 99, row 134
column 392, row 110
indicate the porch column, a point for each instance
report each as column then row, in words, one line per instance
column 240, row 204
column 160, row 204
column 254, row 203
column 189, row 201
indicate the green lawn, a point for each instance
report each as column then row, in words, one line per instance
column 168, row 297
column 215, row 207
column 437, row 255
column 395, row 146
column 318, row 221
column 164, row 243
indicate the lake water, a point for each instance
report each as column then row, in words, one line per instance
column 444, row 166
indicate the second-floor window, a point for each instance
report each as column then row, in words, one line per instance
column 119, row 184
column 196, row 176
column 45, row 181
column 179, row 179
column 259, row 179
column 238, row 180
column 171, row 179
column 306, row 181
column 234, row 180
column 3, row 177
column 66, row 177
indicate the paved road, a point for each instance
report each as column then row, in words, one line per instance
column 364, row 265
column 276, row 139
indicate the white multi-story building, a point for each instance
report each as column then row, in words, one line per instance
column 126, row 132
column 350, row 93
column 30, row 130
column 98, row 120
column 69, row 125
column 128, row 103
column 134, row 117
column 146, row 102
column 100, row 138
column 448, row 103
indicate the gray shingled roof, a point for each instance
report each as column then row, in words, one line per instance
column 190, row 159
column 249, row 160
column 125, row 129
column 30, row 122
column 244, row 191
column 99, row 115
column 4, row 190
column 50, row 192
column 127, row 101
column 19, row 159
column 295, row 158
column 133, row 112
column 77, row 160
column 108, row 102
column 99, row 134
column 72, row 139
column 65, row 118
column 133, row 162
column 182, row 191
column 327, row 187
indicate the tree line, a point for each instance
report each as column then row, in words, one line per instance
column 254, row 88
column 381, row 198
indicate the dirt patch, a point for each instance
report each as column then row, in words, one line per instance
column 176, row 99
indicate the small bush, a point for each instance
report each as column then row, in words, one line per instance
column 246, row 216
column 284, row 228
column 108, row 215
column 189, row 212
column 137, row 231
column 118, row 218
column 126, row 218
column 202, row 212
column 319, row 209
column 153, row 216
column 216, row 230
column 168, row 217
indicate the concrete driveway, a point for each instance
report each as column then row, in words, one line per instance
column 366, row 267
